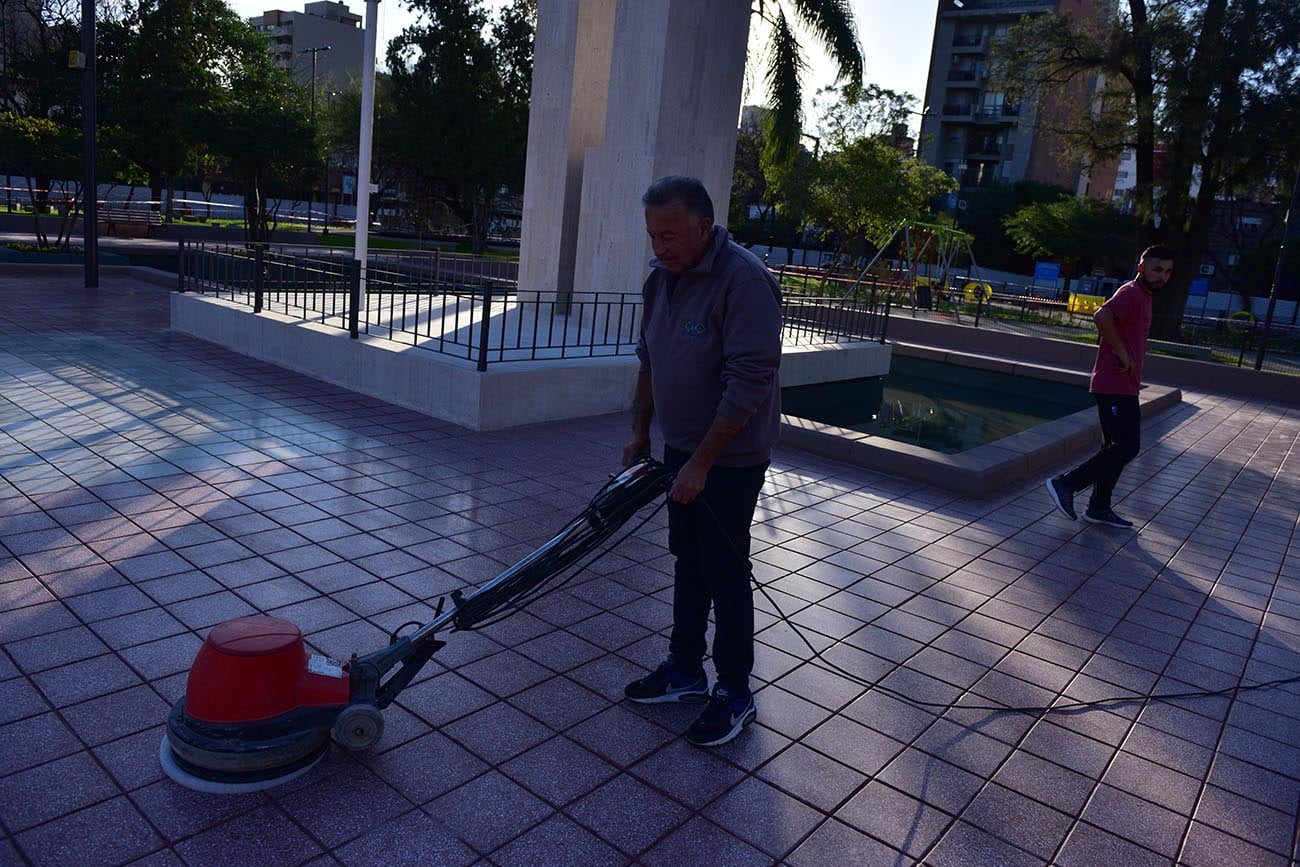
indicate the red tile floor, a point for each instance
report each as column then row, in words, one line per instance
column 153, row 486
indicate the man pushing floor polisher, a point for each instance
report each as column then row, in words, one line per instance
column 259, row 710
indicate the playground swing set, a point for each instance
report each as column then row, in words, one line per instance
column 929, row 256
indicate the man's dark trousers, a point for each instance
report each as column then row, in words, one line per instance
column 1121, row 431
column 713, row 568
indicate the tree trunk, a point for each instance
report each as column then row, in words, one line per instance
column 481, row 216
column 253, row 216
column 1143, row 83
column 155, row 191
column 1214, row 69
column 39, row 197
column 64, row 240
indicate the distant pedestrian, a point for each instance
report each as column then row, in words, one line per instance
column 1123, row 323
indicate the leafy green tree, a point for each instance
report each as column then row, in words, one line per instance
column 260, row 122
column 460, row 83
column 1084, row 233
column 789, row 186
column 34, row 77
column 851, row 113
column 173, row 71
column 866, row 188
column 340, row 124
column 1211, row 85
column 748, row 186
column 831, row 23
column 986, row 211
column 42, row 150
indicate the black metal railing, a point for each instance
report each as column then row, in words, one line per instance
column 1025, row 308
column 466, row 307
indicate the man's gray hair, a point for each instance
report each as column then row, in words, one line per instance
column 679, row 188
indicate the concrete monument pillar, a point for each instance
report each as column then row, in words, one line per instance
column 669, row 102
column 566, row 116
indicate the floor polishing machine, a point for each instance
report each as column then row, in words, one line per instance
column 259, row 710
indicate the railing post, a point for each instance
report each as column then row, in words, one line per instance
column 354, row 298
column 1250, row 341
column 484, row 326
column 884, row 327
column 259, row 276
column 180, row 264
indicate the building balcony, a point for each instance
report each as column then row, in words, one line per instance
column 999, row 9
column 996, row 113
column 967, row 40
column 957, row 110
column 984, row 151
column 963, row 75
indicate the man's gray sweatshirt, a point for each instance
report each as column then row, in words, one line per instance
column 711, row 341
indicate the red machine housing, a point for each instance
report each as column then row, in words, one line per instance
column 256, row 668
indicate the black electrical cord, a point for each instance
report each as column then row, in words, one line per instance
column 827, row 665
column 612, row 506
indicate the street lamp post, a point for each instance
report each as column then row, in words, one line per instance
column 1288, row 224
column 313, row 52
column 90, row 185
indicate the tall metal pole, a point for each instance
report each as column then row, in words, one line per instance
column 363, row 148
column 89, row 184
column 314, row 52
column 1277, row 272
column 313, row 131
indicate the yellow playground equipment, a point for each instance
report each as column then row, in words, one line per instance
column 1084, row 304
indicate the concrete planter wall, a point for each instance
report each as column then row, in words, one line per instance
column 23, row 257
column 506, row 395
column 1183, row 373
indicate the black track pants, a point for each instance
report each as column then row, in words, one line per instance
column 1121, row 431
column 713, row 569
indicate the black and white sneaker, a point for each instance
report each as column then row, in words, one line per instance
column 1107, row 517
column 669, row 683
column 727, row 713
column 1062, row 496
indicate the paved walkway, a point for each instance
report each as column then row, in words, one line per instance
column 153, row 485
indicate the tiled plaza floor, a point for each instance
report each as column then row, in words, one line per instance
column 154, row 485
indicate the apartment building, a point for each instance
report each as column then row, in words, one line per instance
column 293, row 34
column 975, row 132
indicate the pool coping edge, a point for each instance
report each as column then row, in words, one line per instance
column 984, row 469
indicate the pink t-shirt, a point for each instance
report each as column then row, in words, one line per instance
column 1131, row 305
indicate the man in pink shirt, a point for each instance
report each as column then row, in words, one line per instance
column 1123, row 322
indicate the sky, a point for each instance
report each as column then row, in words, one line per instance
column 895, row 38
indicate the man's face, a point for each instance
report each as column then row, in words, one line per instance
column 1156, row 272
column 679, row 238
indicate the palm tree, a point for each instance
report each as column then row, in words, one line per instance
column 831, row 22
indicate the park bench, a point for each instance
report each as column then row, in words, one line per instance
column 115, row 218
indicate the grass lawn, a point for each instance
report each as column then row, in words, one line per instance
column 349, row 239
column 490, row 253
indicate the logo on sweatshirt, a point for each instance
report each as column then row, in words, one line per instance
column 693, row 327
